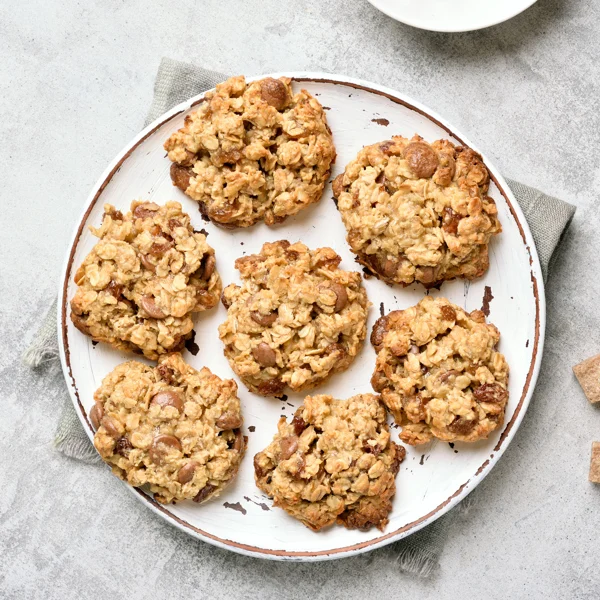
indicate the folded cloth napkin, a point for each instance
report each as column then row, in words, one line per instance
column 548, row 219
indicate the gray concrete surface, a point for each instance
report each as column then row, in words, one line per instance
column 76, row 80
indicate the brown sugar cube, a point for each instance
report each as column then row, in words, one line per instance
column 588, row 375
column 594, row 476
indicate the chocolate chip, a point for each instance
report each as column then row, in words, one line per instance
column 264, row 355
column 111, row 426
column 341, row 296
column 168, row 398
column 288, row 445
column 149, row 305
column 274, row 93
column 115, row 289
column 447, row 374
column 147, row 263
column 379, row 331
column 264, row 320
column 240, row 440
column 208, row 266
column 161, row 445
column 186, row 473
column 229, row 420
column 96, row 414
column 389, row 267
column 338, row 185
column 190, row 344
column 204, row 493
column 421, row 158
column 258, row 470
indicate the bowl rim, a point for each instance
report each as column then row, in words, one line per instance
column 383, row 6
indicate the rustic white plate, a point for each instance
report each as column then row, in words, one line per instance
column 433, row 478
column 452, row 15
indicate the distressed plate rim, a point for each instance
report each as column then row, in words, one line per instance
column 510, row 428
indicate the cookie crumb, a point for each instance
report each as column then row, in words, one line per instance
column 191, row 345
column 261, row 504
column 235, row 506
column 487, row 298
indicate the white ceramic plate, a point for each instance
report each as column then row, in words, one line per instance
column 452, row 15
column 434, row 477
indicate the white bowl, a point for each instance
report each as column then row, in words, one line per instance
column 452, row 15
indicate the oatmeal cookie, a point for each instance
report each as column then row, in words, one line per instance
column 140, row 284
column 295, row 320
column 439, row 373
column 416, row 211
column 334, row 462
column 170, row 427
column 253, row 152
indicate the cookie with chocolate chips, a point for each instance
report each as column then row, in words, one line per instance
column 170, row 427
column 439, row 372
column 334, row 463
column 296, row 319
column 139, row 286
column 253, row 152
column 418, row 212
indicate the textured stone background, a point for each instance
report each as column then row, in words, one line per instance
column 77, row 80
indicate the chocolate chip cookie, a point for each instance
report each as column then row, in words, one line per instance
column 334, row 462
column 439, row 373
column 416, row 211
column 140, row 284
column 170, row 427
column 295, row 320
column 253, row 152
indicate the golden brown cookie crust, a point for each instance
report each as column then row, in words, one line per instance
column 439, row 373
column 334, row 462
column 295, row 320
column 253, row 152
column 416, row 211
column 140, row 284
column 171, row 427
